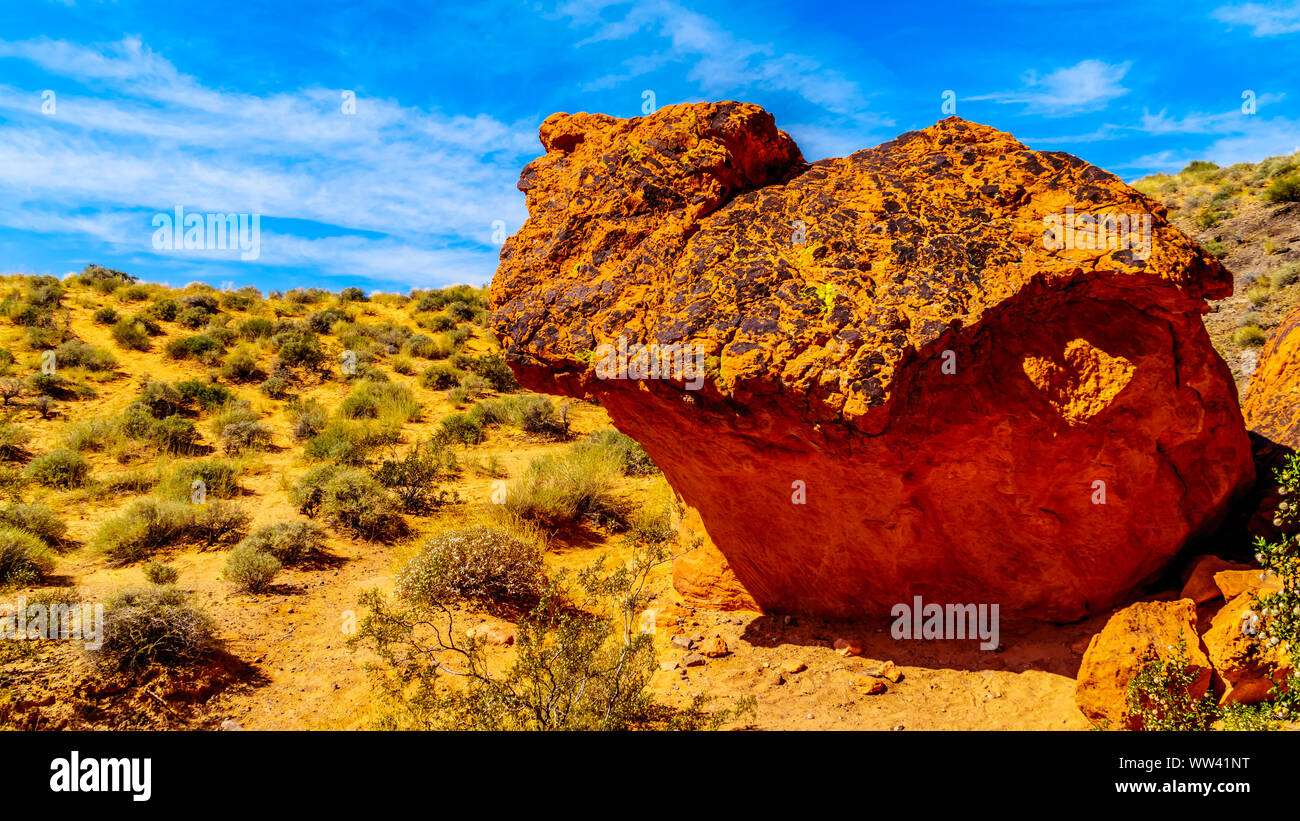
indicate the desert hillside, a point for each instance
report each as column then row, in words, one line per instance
column 152, row 390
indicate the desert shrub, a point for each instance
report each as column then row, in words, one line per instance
column 243, row 437
column 217, row 523
column 532, row 413
column 652, row 523
column 255, row 328
column 352, row 500
column 48, row 384
column 154, row 625
column 576, row 666
column 274, row 387
column 157, row 572
column 558, row 489
column 297, row 349
column 241, row 366
column 1258, row 295
column 1288, row 274
column 132, row 293
column 402, row 364
column 471, row 386
column 131, row 333
column 481, row 565
column 207, row 395
column 219, row 476
column 460, row 428
column 24, row 558
column 204, row 301
column 1284, row 189
column 1159, row 696
column 625, row 451
column 75, row 353
column 36, row 519
column 13, row 442
column 491, row 367
column 106, row 316
column 439, row 377
column 174, row 434
column 308, row 418
column 321, row 322
column 60, row 468
column 186, row 347
column 233, row 412
column 423, row 347
column 349, row 442
column 288, row 542
column 415, row 477
column 1250, row 336
column 11, row 389
column 145, row 526
column 164, row 309
column 380, row 400
column 308, row 492
column 352, row 294
column 241, row 300
column 160, row 399
column 251, row 570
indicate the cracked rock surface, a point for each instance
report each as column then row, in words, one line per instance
column 904, row 389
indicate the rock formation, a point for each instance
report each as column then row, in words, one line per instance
column 1272, row 402
column 918, row 370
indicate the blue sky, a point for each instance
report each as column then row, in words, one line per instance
column 239, row 109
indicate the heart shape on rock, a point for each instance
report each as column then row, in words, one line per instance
column 1082, row 382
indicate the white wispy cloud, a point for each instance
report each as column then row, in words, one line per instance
column 1088, row 85
column 1265, row 20
column 424, row 187
column 721, row 64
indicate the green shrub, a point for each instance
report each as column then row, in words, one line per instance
column 461, row 428
column 36, row 519
column 219, row 477
column 217, row 523
column 1160, row 697
column 1250, row 336
column 186, row 347
column 106, row 316
column 297, row 349
column 652, row 523
column 349, row 442
column 289, row 542
column 160, row 399
column 157, row 572
column 623, row 450
column 60, row 468
column 24, row 558
column 1288, row 274
column 439, row 377
column 131, row 334
column 353, row 501
column 1284, row 189
column 414, row 478
column 244, row 437
column 559, row 489
column 240, row 366
column 380, row 400
column 13, row 442
column 255, row 328
column 308, row 418
column 479, row 564
column 251, row 570
column 275, row 387
column 75, row 353
column 145, row 526
column 207, row 395
column 153, row 625
column 491, row 367
column 164, row 309
column 174, row 434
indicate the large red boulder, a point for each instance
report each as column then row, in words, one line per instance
column 904, row 386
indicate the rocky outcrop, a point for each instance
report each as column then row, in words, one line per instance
column 876, row 376
column 1272, row 401
column 1134, row 637
column 701, row 573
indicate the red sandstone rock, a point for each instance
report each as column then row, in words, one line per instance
column 1272, row 401
column 1200, row 586
column 701, row 573
column 1133, row 637
column 1248, row 671
column 904, row 390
